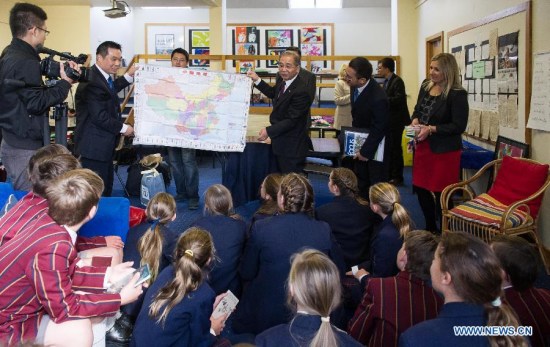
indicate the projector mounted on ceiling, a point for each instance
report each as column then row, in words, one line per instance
column 119, row 9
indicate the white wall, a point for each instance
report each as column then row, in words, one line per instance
column 357, row 31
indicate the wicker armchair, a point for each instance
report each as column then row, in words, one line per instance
column 510, row 206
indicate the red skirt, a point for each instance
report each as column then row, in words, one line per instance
column 435, row 171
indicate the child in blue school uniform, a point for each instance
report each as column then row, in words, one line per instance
column 468, row 275
column 229, row 233
column 268, row 197
column 314, row 291
column 178, row 306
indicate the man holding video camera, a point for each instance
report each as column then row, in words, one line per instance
column 22, row 110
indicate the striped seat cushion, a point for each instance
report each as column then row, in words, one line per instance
column 486, row 210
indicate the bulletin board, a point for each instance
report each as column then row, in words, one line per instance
column 493, row 56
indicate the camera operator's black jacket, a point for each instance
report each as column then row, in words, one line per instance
column 22, row 111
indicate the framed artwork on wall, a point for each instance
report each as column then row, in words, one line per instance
column 276, row 42
column 506, row 146
column 163, row 38
column 246, row 41
column 199, row 44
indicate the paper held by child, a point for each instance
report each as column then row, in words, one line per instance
column 226, row 305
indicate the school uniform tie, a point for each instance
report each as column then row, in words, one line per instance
column 111, row 83
column 355, row 94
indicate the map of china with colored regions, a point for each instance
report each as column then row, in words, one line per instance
column 191, row 108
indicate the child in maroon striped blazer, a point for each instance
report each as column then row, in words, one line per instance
column 393, row 304
column 38, row 302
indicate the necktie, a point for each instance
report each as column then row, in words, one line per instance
column 355, row 94
column 281, row 89
column 111, row 83
column 385, row 84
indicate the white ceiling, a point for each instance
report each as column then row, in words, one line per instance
column 207, row 3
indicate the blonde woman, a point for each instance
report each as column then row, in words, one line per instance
column 342, row 99
column 440, row 117
column 178, row 307
column 314, row 292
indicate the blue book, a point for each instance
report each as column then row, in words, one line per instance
column 354, row 140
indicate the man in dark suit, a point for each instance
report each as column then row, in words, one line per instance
column 369, row 110
column 305, row 75
column 98, row 116
column 289, row 119
column 399, row 116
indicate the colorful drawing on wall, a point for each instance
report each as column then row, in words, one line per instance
column 275, row 52
column 278, row 38
column 199, row 44
column 200, row 38
column 246, row 41
column 312, row 35
column 164, row 43
column 246, row 49
column 246, row 35
column 244, row 66
column 313, row 43
column 200, row 62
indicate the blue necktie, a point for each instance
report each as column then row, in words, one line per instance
column 111, row 83
column 355, row 94
column 385, row 84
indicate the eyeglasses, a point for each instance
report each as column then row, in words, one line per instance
column 179, row 60
column 44, row 30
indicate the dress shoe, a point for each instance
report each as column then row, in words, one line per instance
column 121, row 332
column 193, row 204
column 396, row 182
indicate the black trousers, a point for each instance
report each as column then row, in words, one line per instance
column 291, row 164
column 369, row 173
column 104, row 169
column 430, row 203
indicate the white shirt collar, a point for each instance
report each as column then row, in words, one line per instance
column 71, row 233
column 105, row 75
column 360, row 90
column 289, row 82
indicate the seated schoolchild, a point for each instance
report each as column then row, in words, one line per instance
column 45, row 165
column 468, row 275
column 178, row 306
column 387, row 237
column 314, row 291
column 266, row 260
column 391, row 305
column 268, row 198
column 37, row 266
column 151, row 242
column 349, row 216
column 520, row 262
column 229, row 233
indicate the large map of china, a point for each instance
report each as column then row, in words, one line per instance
column 191, row 108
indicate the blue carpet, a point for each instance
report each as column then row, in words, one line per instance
column 210, row 173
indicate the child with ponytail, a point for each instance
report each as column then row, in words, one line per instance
column 468, row 275
column 152, row 242
column 387, row 237
column 178, row 306
column 314, row 292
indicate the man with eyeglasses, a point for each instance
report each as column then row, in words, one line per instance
column 289, row 118
column 22, row 111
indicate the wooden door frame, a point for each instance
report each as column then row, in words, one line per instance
column 429, row 41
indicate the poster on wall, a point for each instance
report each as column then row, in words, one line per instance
column 246, row 41
column 313, row 43
column 508, row 79
column 276, row 42
column 199, row 44
column 164, row 43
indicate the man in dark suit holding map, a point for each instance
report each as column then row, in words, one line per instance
column 289, row 118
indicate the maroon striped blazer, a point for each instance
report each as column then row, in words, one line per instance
column 390, row 306
column 36, row 271
column 533, row 309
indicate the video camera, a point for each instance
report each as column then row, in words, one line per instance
column 50, row 67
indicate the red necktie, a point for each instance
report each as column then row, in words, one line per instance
column 281, row 89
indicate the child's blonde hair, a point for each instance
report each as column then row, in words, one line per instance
column 218, row 201
column 160, row 211
column 387, row 197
